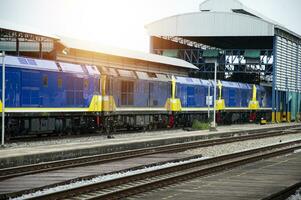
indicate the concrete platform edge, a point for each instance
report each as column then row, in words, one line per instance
column 102, row 149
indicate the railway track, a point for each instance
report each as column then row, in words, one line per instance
column 126, row 186
column 11, row 172
column 43, row 137
column 284, row 194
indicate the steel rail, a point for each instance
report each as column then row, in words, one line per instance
column 284, row 194
column 134, row 184
column 11, row 172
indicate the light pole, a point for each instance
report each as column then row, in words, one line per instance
column 214, row 97
column 3, row 98
column 208, row 101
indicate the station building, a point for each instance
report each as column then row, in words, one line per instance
column 246, row 45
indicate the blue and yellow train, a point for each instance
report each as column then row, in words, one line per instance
column 45, row 96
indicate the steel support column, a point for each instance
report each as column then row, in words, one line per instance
column 3, row 100
column 274, row 79
column 40, row 49
column 18, row 46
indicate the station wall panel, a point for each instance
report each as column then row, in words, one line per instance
column 288, row 65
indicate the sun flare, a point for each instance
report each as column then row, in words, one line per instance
column 109, row 22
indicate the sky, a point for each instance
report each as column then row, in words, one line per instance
column 120, row 23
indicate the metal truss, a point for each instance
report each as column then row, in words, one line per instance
column 234, row 60
column 230, row 61
column 187, row 42
column 10, row 35
column 9, row 38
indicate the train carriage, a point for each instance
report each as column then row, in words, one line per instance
column 245, row 94
column 243, row 102
column 231, row 93
column 192, row 92
column 45, row 96
column 138, row 99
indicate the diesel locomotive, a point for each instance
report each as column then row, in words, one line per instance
column 44, row 96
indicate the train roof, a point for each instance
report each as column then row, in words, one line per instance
column 192, row 81
column 48, row 65
column 226, row 84
column 30, row 63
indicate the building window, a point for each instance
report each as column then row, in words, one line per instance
column 45, row 80
column 59, row 82
column 127, row 93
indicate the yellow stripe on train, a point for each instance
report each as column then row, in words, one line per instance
column 95, row 106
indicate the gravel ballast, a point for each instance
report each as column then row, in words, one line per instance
column 218, row 150
column 296, row 196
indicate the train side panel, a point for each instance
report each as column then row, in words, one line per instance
column 231, row 94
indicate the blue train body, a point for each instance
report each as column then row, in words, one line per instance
column 192, row 92
column 54, row 96
column 138, row 90
column 54, row 86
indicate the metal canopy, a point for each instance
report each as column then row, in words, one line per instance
column 234, row 30
column 226, row 24
column 235, row 42
column 211, row 24
column 15, row 38
column 217, row 18
column 99, row 48
column 24, row 32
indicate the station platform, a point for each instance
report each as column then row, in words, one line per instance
column 45, row 151
column 259, row 180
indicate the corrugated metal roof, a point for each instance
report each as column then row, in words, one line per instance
column 232, row 6
column 24, row 29
column 95, row 47
column 217, row 18
column 237, row 6
column 208, row 24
